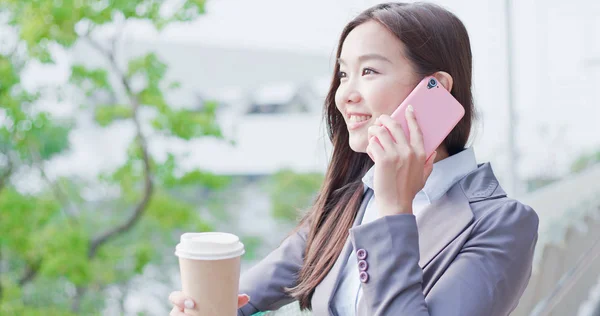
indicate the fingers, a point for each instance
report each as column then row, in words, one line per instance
column 375, row 150
column 394, row 128
column 429, row 166
column 243, row 299
column 181, row 301
column 416, row 137
column 176, row 312
column 381, row 135
column 371, row 134
column 370, row 156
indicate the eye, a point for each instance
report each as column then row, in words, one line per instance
column 341, row 74
column 368, row 71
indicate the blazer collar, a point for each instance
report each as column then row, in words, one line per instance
column 481, row 184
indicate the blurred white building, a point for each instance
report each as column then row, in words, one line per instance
column 270, row 106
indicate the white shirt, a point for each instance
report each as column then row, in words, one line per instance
column 445, row 174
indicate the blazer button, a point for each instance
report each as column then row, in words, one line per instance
column 363, row 265
column 364, row 277
column 361, row 254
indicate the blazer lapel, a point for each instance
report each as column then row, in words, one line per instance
column 440, row 222
column 329, row 284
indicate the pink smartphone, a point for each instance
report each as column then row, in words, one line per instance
column 436, row 110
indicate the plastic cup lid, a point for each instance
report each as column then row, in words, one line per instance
column 209, row 246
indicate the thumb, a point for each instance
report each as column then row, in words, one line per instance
column 243, row 300
column 429, row 166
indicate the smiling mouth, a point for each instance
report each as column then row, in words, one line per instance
column 358, row 118
column 357, row 121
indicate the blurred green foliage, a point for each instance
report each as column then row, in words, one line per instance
column 291, row 193
column 59, row 252
column 579, row 164
column 585, row 160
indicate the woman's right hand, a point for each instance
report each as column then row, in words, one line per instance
column 181, row 302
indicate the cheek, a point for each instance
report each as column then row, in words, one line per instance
column 385, row 97
column 338, row 101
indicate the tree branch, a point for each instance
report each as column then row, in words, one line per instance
column 148, row 183
column 103, row 238
column 30, row 272
column 1, row 289
column 4, row 177
column 3, row 181
column 55, row 187
column 79, row 293
column 139, row 210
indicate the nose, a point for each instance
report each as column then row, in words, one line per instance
column 350, row 95
column 353, row 97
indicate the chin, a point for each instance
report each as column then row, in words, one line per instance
column 358, row 145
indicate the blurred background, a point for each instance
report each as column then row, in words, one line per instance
column 125, row 123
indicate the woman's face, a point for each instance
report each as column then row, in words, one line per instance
column 375, row 78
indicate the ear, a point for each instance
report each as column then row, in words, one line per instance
column 445, row 79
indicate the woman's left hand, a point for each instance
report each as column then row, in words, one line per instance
column 401, row 168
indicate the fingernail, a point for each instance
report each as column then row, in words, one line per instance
column 409, row 108
column 188, row 304
column 248, row 298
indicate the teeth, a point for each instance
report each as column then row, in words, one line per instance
column 358, row 118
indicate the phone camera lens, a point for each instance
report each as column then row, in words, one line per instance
column 432, row 83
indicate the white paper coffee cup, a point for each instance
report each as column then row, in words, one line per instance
column 210, row 270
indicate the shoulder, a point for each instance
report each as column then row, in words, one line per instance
column 492, row 208
column 506, row 214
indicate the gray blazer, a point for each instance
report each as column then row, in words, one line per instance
column 467, row 254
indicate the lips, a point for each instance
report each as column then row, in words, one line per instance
column 357, row 120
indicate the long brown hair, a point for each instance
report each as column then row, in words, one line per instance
column 434, row 40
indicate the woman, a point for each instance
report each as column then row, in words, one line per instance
column 392, row 233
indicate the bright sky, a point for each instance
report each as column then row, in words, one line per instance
column 312, row 25
column 308, row 25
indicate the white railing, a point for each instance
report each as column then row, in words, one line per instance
column 567, row 259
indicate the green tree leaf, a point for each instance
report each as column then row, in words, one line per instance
column 107, row 114
column 291, row 192
column 584, row 161
column 90, row 80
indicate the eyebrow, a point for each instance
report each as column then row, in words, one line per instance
column 365, row 57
